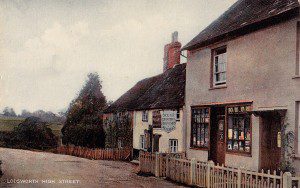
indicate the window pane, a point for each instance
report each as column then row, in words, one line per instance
column 200, row 128
column 216, row 60
column 238, row 130
column 222, row 76
column 217, row 77
column 222, row 67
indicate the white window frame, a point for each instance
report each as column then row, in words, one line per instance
column 222, row 56
column 145, row 116
column 142, row 142
column 173, row 145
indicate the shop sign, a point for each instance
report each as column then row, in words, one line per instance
column 239, row 109
column 156, row 119
column 168, row 120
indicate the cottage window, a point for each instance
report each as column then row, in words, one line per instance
column 219, row 66
column 239, row 129
column 173, row 145
column 142, row 142
column 178, row 115
column 200, row 127
column 145, row 116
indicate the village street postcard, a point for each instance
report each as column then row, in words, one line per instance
column 150, row 93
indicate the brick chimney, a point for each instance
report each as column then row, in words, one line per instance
column 172, row 53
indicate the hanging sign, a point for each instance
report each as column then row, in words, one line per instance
column 156, row 119
column 168, row 120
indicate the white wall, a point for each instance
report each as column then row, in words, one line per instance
column 139, row 127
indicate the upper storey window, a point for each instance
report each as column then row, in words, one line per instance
column 145, row 116
column 219, row 66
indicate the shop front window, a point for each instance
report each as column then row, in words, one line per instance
column 239, row 129
column 200, row 128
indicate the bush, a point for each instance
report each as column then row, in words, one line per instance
column 31, row 134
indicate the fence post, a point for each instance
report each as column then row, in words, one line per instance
column 157, row 164
column 239, row 178
column 209, row 165
column 192, row 171
column 287, row 180
column 167, row 165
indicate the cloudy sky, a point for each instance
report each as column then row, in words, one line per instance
column 48, row 47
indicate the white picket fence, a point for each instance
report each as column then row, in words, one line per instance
column 206, row 174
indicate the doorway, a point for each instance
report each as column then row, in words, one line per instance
column 156, row 143
column 217, row 135
column 270, row 141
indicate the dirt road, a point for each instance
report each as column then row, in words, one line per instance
column 37, row 169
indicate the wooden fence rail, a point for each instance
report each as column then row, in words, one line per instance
column 96, row 154
column 207, row 174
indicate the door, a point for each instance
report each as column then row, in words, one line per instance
column 221, row 139
column 270, row 141
column 156, row 143
column 217, row 135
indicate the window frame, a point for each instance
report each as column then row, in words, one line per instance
column 171, row 145
column 238, row 152
column 221, row 83
column 195, row 146
column 145, row 115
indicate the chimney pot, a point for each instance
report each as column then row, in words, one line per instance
column 175, row 36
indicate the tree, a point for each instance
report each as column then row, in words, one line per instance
column 84, row 125
column 48, row 116
column 9, row 112
column 25, row 113
column 33, row 133
column 119, row 131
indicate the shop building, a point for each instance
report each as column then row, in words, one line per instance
column 243, row 85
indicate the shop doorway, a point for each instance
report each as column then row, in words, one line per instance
column 217, row 135
column 270, row 140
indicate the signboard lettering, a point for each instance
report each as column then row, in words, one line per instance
column 168, row 120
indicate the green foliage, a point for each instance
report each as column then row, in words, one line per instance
column 31, row 134
column 84, row 126
column 287, row 143
column 119, row 130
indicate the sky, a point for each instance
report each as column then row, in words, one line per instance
column 47, row 48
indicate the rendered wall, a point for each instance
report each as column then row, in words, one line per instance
column 260, row 68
